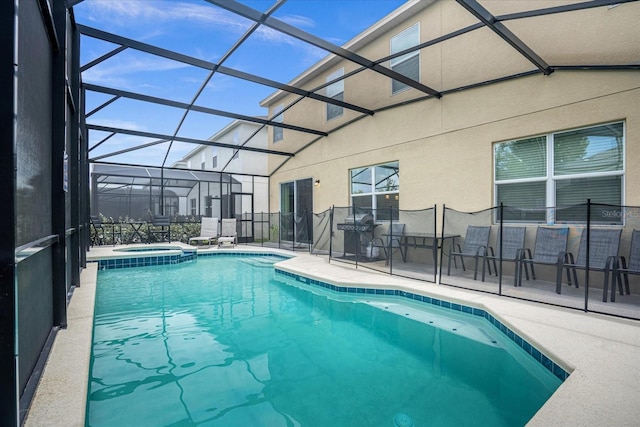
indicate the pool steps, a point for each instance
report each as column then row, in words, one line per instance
column 538, row 355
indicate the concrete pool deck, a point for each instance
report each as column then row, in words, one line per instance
column 602, row 353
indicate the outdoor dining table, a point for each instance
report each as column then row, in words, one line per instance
column 433, row 241
column 135, row 230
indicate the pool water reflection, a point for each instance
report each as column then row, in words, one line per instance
column 223, row 342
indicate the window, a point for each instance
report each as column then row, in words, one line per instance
column 376, row 189
column 214, row 158
column 194, row 207
column 560, row 170
column 409, row 64
column 335, row 91
column 278, row 118
column 203, row 158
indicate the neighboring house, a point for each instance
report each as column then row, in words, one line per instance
column 247, row 169
column 466, row 149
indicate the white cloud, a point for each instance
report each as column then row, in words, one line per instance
column 123, row 12
column 117, row 123
column 311, row 53
column 120, row 70
column 153, row 12
column 123, row 141
column 298, row 21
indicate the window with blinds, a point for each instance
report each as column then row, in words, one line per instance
column 409, row 64
column 561, row 170
column 335, row 91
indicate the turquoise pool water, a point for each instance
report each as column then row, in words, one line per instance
column 222, row 342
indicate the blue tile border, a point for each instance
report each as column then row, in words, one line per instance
column 241, row 254
column 187, row 255
column 540, row 357
column 118, row 263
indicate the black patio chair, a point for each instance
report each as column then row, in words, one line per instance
column 622, row 269
column 603, row 253
column 160, row 226
column 102, row 229
column 97, row 237
column 550, row 248
column 512, row 243
column 476, row 242
column 391, row 242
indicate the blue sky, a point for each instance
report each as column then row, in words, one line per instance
column 199, row 29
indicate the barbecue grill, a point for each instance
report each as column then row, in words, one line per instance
column 358, row 232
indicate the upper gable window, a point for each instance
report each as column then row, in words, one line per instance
column 278, row 118
column 335, row 91
column 409, row 64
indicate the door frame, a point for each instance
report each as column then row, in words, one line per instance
column 309, row 209
column 242, row 238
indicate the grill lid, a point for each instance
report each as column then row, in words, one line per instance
column 364, row 218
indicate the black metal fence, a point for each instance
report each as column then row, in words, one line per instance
column 577, row 257
column 582, row 256
column 399, row 242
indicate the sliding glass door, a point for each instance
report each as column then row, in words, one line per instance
column 296, row 208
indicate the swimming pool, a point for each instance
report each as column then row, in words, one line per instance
column 225, row 341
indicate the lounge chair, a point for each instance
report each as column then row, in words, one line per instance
column 512, row 245
column 228, row 232
column 603, row 253
column 474, row 246
column 391, row 242
column 160, row 226
column 622, row 269
column 550, row 248
column 208, row 231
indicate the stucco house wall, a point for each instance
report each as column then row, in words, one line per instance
column 445, row 146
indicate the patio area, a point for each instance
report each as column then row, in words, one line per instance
column 541, row 291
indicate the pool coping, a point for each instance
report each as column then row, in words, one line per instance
column 600, row 352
